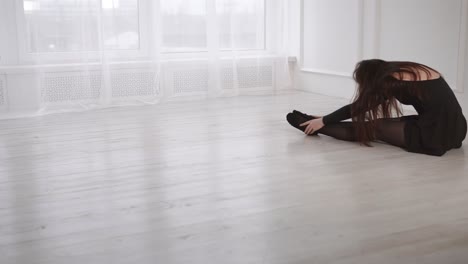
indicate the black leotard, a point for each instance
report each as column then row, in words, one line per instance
column 439, row 125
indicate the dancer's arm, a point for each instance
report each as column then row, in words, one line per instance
column 316, row 124
column 339, row 115
column 342, row 114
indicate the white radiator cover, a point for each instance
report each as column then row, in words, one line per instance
column 53, row 88
column 134, row 83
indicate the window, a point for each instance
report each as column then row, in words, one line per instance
column 81, row 25
column 241, row 24
column 184, row 25
column 57, row 30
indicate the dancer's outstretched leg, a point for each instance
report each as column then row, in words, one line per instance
column 388, row 130
column 342, row 131
column 391, row 131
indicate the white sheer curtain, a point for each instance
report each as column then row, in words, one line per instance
column 99, row 53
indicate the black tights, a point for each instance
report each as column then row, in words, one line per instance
column 388, row 130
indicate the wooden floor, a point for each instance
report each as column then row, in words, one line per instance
column 221, row 181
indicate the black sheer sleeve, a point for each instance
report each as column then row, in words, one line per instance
column 342, row 114
column 339, row 115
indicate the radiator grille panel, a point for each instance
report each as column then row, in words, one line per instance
column 130, row 84
column 60, row 87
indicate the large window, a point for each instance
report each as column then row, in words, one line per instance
column 68, row 26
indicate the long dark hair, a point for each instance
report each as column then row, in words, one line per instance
column 376, row 90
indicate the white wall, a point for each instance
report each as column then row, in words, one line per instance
column 338, row 33
column 426, row 31
column 324, row 49
column 464, row 96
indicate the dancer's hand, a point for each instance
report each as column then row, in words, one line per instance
column 313, row 125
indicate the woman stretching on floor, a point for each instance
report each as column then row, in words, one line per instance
column 438, row 127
